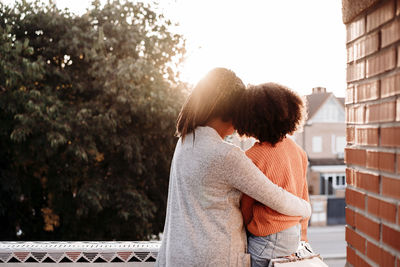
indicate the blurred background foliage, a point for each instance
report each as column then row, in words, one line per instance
column 87, row 107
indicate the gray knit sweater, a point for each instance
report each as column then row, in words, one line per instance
column 204, row 225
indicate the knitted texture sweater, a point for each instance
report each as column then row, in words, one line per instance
column 204, row 225
column 285, row 164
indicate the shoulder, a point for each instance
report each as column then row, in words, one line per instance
column 234, row 157
column 300, row 151
column 257, row 148
column 222, row 152
column 261, row 150
column 295, row 146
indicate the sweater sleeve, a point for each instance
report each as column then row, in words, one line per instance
column 240, row 172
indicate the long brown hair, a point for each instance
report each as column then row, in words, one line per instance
column 214, row 96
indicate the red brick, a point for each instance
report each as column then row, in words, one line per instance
column 366, row 91
column 390, row 85
column 387, row 211
column 380, row 16
column 351, row 256
column 350, row 217
column 387, row 161
column 398, row 13
column 391, row 237
column 349, row 95
column 398, row 107
column 359, row 49
column 398, row 165
column 356, row 71
column 355, row 29
column 355, row 114
column 372, row 136
column 354, row 239
column 367, row 136
column 372, row 160
column 379, row 255
column 367, row 181
column 381, row 112
column 350, row 134
column 398, row 58
column 355, row 156
column 354, row 259
column 387, row 259
column 373, row 206
column 373, row 252
column 367, row 226
column 350, row 53
column 371, row 43
column 349, row 115
column 350, row 176
column 381, row 62
column 398, row 219
column 391, row 187
column 391, row 33
column 359, row 114
column 355, row 198
column 387, row 111
column 382, row 209
column 390, row 136
column 361, row 262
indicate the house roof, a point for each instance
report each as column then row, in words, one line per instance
column 315, row 101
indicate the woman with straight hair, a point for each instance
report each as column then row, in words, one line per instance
column 204, row 224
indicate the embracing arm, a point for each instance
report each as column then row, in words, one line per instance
column 242, row 174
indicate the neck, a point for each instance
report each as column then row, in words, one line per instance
column 222, row 128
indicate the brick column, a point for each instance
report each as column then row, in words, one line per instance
column 373, row 132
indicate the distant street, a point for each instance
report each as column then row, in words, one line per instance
column 330, row 242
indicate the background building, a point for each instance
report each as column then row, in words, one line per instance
column 323, row 139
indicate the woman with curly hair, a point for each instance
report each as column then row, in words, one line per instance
column 269, row 112
column 204, row 225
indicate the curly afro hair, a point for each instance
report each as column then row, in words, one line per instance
column 268, row 112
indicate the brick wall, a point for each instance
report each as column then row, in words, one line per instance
column 373, row 134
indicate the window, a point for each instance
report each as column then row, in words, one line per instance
column 317, row 144
column 330, row 182
column 340, row 144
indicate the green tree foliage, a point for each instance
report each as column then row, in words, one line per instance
column 87, row 108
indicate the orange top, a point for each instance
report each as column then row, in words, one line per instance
column 285, row 164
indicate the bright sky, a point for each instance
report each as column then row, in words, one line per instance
column 300, row 44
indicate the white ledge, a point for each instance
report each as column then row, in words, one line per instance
column 140, row 253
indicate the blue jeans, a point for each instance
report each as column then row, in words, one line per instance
column 264, row 248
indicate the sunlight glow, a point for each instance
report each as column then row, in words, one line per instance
column 297, row 43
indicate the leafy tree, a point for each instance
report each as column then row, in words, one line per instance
column 87, row 107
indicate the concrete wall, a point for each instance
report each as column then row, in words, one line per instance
column 373, row 132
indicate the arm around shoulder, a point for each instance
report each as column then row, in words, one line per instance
column 242, row 174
